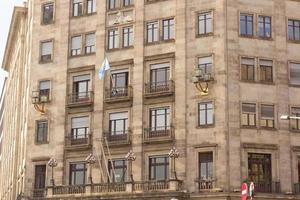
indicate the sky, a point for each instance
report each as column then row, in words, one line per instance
column 6, row 10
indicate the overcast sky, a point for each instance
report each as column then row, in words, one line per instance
column 6, row 10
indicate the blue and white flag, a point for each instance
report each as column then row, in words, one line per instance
column 105, row 66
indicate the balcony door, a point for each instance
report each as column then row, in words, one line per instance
column 118, row 126
column 159, row 122
column 81, row 85
column 119, row 83
column 78, row 173
column 79, row 129
column 40, row 177
column 159, row 77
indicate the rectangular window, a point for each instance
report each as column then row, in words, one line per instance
column 294, row 29
column 81, row 86
column 247, row 69
column 248, row 114
column 264, row 27
column 46, row 51
column 112, row 4
column 205, row 64
column 127, row 3
column 76, row 46
column 205, row 114
column 77, row 173
column 158, row 168
column 79, row 128
column 206, row 165
column 119, row 83
column 294, row 73
column 44, row 91
column 77, row 8
column 266, row 70
column 91, row 6
column 168, row 29
column 90, row 43
column 118, row 124
column 159, row 77
column 260, row 171
column 41, row 131
column 48, row 13
column 159, row 119
column 113, row 39
column 246, row 25
column 152, row 32
column 40, row 177
column 127, row 37
column 205, row 23
column 267, row 118
column 295, row 123
column 120, row 170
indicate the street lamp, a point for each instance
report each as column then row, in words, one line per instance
column 52, row 163
column 287, row 117
column 130, row 157
column 90, row 159
column 173, row 154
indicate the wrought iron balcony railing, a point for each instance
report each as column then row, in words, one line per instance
column 74, row 139
column 159, row 88
column 108, row 187
column 161, row 132
column 268, row 187
column 115, row 94
column 39, row 193
column 82, row 98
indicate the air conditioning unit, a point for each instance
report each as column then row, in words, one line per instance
column 207, row 77
column 44, row 98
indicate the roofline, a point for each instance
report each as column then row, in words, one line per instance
column 13, row 26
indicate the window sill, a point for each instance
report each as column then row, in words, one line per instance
column 268, row 128
column 121, row 8
column 294, row 85
column 294, row 130
column 45, row 62
column 267, row 82
column 81, row 55
column 293, row 41
column 120, row 49
column 265, row 38
column 247, row 36
column 249, row 127
column 84, row 15
column 205, row 126
column 152, row 1
column 204, row 35
column 41, row 143
column 159, row 42
column 47, row 24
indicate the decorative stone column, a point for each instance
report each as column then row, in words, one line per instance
column 130, row 157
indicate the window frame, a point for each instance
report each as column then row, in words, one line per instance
column 254, row 69
column 52, row 21
column 116, row 39
column 124, row 167
column 73, row 8
column 166, row 165
column 265, row 66
column 264, row 27
column 288, row 36
column 35, row 185
column 42, row 61
column 206, row 114
column 198, row 34
column 246, row 21
column 297, row 121
column 157, row 22
column 84, row 172
column 125, row 121
column 266, row 118
column 45, row 135
column 289, row 72
column 130, row 34
column 248, row 116
column 94, row 7
column 167, row 115
column 92, row 47
column 169, row 28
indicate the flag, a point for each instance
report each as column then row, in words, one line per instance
column 105, row 66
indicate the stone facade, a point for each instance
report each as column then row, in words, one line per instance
column 229, row 142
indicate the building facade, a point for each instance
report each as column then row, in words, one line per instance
column 208, row 77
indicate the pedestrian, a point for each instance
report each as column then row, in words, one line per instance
column 251, row 190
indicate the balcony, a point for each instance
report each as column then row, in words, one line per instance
column 267, row 187
column 118, row 94
column 147, row 186
column 69, row 189
column 156, row 134
column 118, row 137
column 80, row 99
column 108, row 187
column 78, row 141
column 206, row 185
column 159, row 89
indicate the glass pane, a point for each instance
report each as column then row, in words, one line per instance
column 90, row 39
column 47, row 48
column 246, row 107
column 44, row 85
column 76, row 42
column 80, row 122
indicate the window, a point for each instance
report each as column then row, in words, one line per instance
column 247, row 70
column 205, row 64
column 159, row 77
column 295, row 123
column 294, row 73
column 294, row 29
column 120, row 169
column 90, row 43
column 127, row 3
column 46, row 51
column 76, row 46
column 152, row 32
column 79, row 128
column 40, row 177
column 264, row 27
column 205, row 23
column 259, row 169
column 44, row 91
column 205, row 165
column 158, row 168
column 168, row 29
column 91, row 6
column 77, row 8
column 159, row 119
column 248, row 114
column 113, row 39
column 78, row 173
column 119, row 83
column 112, row 4
column 267, row 118
column 118, row 124
column 81, row 85
column 205, row 114
column 127, row 36
column 246, row 25
column 48, row 13
column 41, row 131
column 266, row 70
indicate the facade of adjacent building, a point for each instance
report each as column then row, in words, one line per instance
column 208, row 77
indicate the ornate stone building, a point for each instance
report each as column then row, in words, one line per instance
column 210, row 78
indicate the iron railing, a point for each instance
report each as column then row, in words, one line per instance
column 39, row 193
column 117, row 136
column 80, row 98
column 108, row 187
column 205, row 184
column 69, row 189
column 158, row 132
column 159, row 87
column 78, row 139
column 267, row 187
column 115, row 93
column 151, row 185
